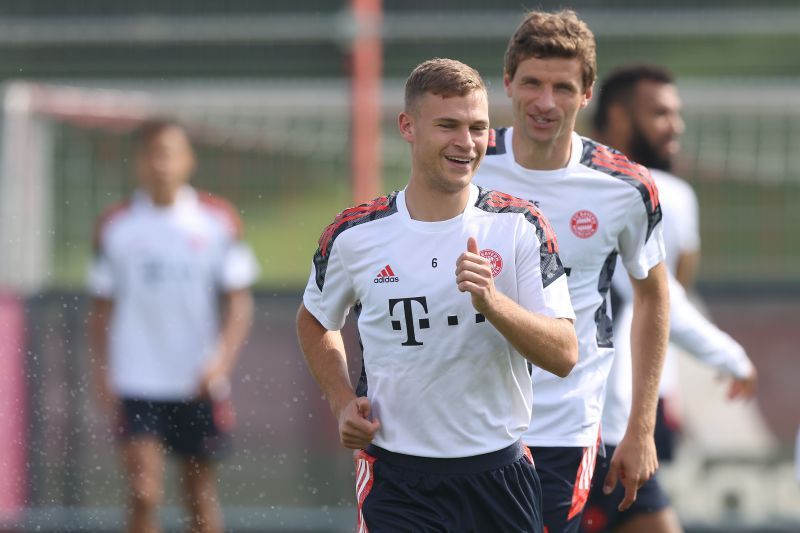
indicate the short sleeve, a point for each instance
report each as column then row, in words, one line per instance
column 239, row 267
column 639, row 250
column 541, row 280
column 689, row 222
column 329, row 297
column 100, row 278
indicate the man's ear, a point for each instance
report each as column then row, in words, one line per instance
column 405, row 123
column 620, row 124
column 587, row 96
column 507, row 83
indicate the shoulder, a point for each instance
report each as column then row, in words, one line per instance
column 615, row 164
column 375, row 209
column 223, row 210
column 493, row 201
column 108, row 217
column 497, row 141
column 673, row 185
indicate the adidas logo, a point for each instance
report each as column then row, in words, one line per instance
column 386, row 275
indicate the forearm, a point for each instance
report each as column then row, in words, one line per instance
column 549, row 343
column 702, row 339
column 326, row 359
column 97, row 328
column 649, row 336
column 237, row 318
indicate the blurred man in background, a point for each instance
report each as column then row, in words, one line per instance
column 601, row 205
column 170, row 310
column 638, row 113
column 446, row 392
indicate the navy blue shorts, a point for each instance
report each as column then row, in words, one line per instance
column 566, row 474
column 666, row 434
column 601, row 512
column 198, row 429
column 497, row 491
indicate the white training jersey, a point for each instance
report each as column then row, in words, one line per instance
column 681, row 217
column 690, row 330
column 600, row 205
column 164, row 268
column 440, row 378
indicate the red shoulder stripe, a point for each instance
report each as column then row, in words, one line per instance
column 501, row 199
column 107, row 216
column 492, row 138
column 378, row 204
column 630, row 169
column 229, row 212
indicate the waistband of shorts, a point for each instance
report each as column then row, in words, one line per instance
column 450, row 465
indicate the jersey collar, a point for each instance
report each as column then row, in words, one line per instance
column 557, row 174
column 440, row 225
column 187, row 196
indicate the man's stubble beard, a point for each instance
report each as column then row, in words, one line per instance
column 644, row 153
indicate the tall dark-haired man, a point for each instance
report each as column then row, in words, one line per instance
column 601, row 206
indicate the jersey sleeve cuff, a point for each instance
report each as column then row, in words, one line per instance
column 317, row 313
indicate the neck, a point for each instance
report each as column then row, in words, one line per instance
column 163, row 198
column 614, row 142
column 428, row 205
column 539, row 156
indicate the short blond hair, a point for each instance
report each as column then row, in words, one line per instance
column 442, row 77
column 545, row 35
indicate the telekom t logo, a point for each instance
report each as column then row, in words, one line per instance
column 408, row 313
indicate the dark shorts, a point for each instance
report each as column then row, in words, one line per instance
column 197, row 429
column 497, row 491
column 566, row 474
column 601, row 512
column 666, row 435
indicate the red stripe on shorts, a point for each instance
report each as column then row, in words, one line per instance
column 364, row 478
column 583, row 481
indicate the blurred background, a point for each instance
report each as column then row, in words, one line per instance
column 280, row 97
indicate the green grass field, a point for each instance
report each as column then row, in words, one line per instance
column 747, row 230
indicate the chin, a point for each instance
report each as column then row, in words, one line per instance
column 457, row 184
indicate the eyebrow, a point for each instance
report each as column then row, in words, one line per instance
column 450, row 120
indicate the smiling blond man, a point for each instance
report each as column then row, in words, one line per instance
column 457, row 290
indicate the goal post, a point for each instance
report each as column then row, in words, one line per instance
column 365, row 109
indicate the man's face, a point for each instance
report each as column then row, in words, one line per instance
column 165, row 162
column 546, row 95
column 448, row 138
column 655, row 116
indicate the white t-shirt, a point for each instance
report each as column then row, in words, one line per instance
column 681, row 217
column 164, row 268
column 440, row 378
column 601, row 205
column 689, row 329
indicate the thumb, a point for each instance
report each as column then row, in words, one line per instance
column 472, row 245
column 365, row 410
column 363, row 406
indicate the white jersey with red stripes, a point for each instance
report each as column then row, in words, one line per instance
column 440, row 378
column 164, row 269
column 600, row 205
